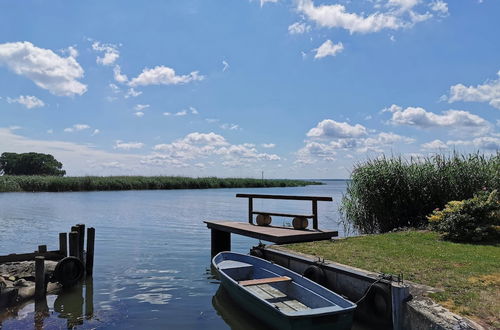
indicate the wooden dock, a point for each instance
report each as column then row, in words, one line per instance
column 278, row 235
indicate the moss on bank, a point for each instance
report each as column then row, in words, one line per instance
column 95, row 183
column 469, row 274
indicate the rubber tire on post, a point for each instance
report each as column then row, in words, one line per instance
column 380, row 302
column 69, row 271
column 315, row 274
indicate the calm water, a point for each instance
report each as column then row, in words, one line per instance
column 152, row 265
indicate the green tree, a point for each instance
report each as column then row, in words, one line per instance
column 30, row 163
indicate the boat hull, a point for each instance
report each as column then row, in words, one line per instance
column 278, row 320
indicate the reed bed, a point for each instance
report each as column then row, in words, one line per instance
column 93, row 183
column 389, row 193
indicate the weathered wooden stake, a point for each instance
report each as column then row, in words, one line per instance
column 250, row 210
column 221, row 241
column 73, row 244
column 90, row 251
column 42, row 248
column 63, row 244
column 315, row 213
column 39, row 277
column 81, row 240
column 89, row 298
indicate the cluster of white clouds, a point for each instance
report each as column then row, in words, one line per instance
column 119, row 144
column 111, row 53
column 48, row 70
column 162, row 75
column 28, row 101
column 196, row 146
column 78, row 128
column 487, row 92
column 491, row 143
column 454, row 119
column 329, row 137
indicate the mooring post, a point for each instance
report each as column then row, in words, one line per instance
column 315, row 213
column 81, row 240
column 39, row 277
column 89, row 298
column 221, row 241
column 73, row 244
column 42, row 248
column 250, row 210
column 63, row 244
column 90, row 250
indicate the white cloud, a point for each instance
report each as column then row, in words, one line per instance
column 329, row 128
column 439, row 6
column 59, row 75
column 119, row 144
column 167, row 114
column 268, row 145
column 416, row 116
column 111, row 53
column 132, row 93
column 115, row 88
column 336, row 16
column 76, row 128
column 299, row 28
column 50, row 131
column 140, row 107
column 225, row 66
column 263, row 2
column 119, row 77
column 139, row 114
column 328, row 48
column 231, row 127
column 181, row 113
column 433, row 145
column 95, row 132
column 484, row 142
column 487, row 92
column 193, row 110
column 162, row 75
column 28, row 101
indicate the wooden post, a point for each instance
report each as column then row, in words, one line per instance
column 39, row 277
column 81, row 240
column 221, row 241
column 42, row 248
column 63, row 244
column 315, row 213
column 73, row 244
column 89, row 297
column 250, row 210
column 90, row 251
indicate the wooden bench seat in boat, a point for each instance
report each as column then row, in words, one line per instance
column 265, row 280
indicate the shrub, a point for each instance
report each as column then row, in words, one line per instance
column 471, row 220
column 388, row 193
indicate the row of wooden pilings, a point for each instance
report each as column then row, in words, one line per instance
column 72, row 243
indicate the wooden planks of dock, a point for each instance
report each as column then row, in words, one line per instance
column 278, row 235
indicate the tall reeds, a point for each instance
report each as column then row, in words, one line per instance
column 387, row 193
column 89, row 183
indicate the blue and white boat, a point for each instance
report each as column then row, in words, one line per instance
column 279, row 297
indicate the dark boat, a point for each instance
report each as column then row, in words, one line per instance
column 279, row 297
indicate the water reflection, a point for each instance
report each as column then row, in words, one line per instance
column 71, row 302
column 232, row 314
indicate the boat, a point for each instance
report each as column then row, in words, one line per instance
column 279, row 297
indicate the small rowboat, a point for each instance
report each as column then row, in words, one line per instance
column 279, row 297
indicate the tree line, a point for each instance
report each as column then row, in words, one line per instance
column 30, row 163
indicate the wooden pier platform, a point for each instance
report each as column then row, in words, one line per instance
column 278, row 235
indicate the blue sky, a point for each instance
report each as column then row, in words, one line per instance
column 294, row 88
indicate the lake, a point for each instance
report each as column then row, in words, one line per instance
column 152, row 261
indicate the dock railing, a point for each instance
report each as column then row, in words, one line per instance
column 314, row 201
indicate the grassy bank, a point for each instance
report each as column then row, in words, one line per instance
column 92, row 183
column 469, row 275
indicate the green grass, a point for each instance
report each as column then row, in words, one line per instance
column 388, row 193
column 90, row 183
column 468, row 274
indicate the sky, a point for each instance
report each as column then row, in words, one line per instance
column 231, row 88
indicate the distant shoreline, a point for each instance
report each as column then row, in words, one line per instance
column 110, row 183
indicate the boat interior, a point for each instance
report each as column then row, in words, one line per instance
column 280, row 291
